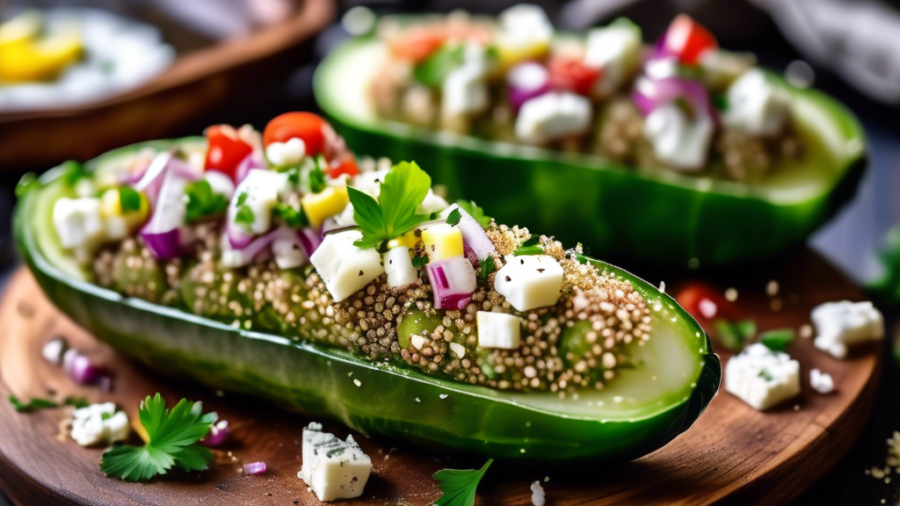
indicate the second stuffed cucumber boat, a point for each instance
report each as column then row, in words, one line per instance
column 276, row 265
column 683, row 154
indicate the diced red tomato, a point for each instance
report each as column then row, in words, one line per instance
column 688, row 40
column 345, row 164
column 226, row 149
column 572, row 75
column 315, row 132
column 705, row 303
column 418, row 43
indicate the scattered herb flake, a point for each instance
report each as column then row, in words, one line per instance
column 777, row 340
column 766, row 375
column 459, row 485
column 242, row 198
column 32, row 405
column 294, row 218
column 245, row 216
column 202, row 202
column 317, row 175
column 395, row 213
column 454, row 217
column 76, row 402
column 735, row 334
column 487, row 267
column 420, row 260
column 173, row 436
column 432, row 71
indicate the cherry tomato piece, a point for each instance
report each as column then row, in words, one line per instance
column 704, row 302
column 688, row 40
column 345, row 164
column 572, row 75
column 226, row 149
column 315, row 132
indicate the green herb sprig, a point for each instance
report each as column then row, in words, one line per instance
column 395, row 213
column 203, row 202
column 34, row 404
column 459, row 485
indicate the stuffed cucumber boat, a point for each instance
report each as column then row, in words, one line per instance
column 679, row 154
column 277, row 265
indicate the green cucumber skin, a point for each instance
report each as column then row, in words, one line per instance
column 604, row 205
column 319, row 381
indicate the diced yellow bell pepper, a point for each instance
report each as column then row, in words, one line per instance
column 442, row 241
column 29, row 60
column 329, row 202
column 22, row 28
column 408, row 239
column 111, row 206
column 511, row 55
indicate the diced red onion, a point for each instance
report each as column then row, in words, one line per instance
column 68, row 359
column 238, row 236
column 82, row 371
column 474, row 235
column 250, row 162
column 218, row 433
column 255, row 468
column 162, row 166
column 453, row 282
column 162, row 233
column 651, row 93
column 105, row 383
column 163, row 245
column 470, row 254
column 310, row 239
column 526, row 81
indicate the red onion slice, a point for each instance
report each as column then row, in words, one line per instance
column 651, row 93
column 526, row 81
column 453, row 282
column 218, row 433
column 250, row 162
column 474, row 236
column 255, row 468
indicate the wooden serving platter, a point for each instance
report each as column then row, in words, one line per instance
column 732, row 454
column 195, row 84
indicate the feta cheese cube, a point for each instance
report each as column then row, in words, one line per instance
column 442, row 241
column 464, row 92
column 78, row 222
column 553, row 116
column 286, row 154
column 529, row 281
column 498, row 330
column 344, row 267
column 616, row 49
column 821, row 382
column 843, row 324
column 332, row 468
column 219, row 183
column 762, row 378
column 399, row 268
column 370, row 182
column 524, row 26
column 755, row 106
column 325, row 204
column 259, row 192
column 679, row 141
column 99, row 424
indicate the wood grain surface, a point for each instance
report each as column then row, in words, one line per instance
column 732, row 454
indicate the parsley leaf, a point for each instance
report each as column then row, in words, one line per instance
column 32, row 405
column 173, row 436
column 317, row 175
column 528, row 250
column 735, row 334
column 487, row 267
column 432, row 71
column 454, row 217
column 475, row 212
column 202, row 202
column 245, row 216
column 129, row 199
column 420, row 261
column 777, row 340
column 402, row 192
column 241, row 199
column 459, row 485
column 294, row 218
column 766, row 375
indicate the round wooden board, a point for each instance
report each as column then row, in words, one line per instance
column 732, row 454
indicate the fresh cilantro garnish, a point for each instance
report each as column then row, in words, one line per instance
column 454, row 217
column 528, row 250
column 459, row 485
column 73, row 172
column 766, row 375
column 317, row 175
column 245, row 216
column 76, row 402
column 475, row 212
column 173, row 436
column 32, row 405
column 432, row 71
column 777, row 340
column 26, row 183
column 203, row 202
column 402, row 192
column 487, row 267
column 420, row 261
column 720, row 102
column 241, row 199
column 294, row 218
column 129, row 199
column 735, row 334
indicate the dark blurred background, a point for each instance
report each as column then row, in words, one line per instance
column 848, row 48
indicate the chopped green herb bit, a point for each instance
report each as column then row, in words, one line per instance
column 459, row 485
column 317, row 175
column 129, row 199
column 735, row 334
column 32, row 405
column 74, row 171
column 395, row 212
column 777, row 340
column 720, row 102
column 528, row 250
column 245, row 216
column 242, row 198
column 202, row 202
column 173, row 436
column 432, row 71
column 475, row 212
column 766, row 375
column 294, row 218
column 487, row 267
column 454, row 217
column 420, row 260
column 76, row 402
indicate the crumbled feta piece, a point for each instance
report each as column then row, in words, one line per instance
column 821, row 382
column 553, row 116
column 843, row 324
column 464, row 91
column 537, row 494
column 287, row 250
column 677, row 140
column 524, row 25
column 286, row 154
column 259, row 192
column 498, row 330
column 99, row 424
column 661, row 68
column 755, row 106
column 327, row 203
column 78, row 222
column 616, row 49
column 344, row 267
column 432, row 203
column 219, row 183
column 332, row 468
column 370, row 182
column 442, row 241
column 761, row 377
column 530, row 281
column 399, row 268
